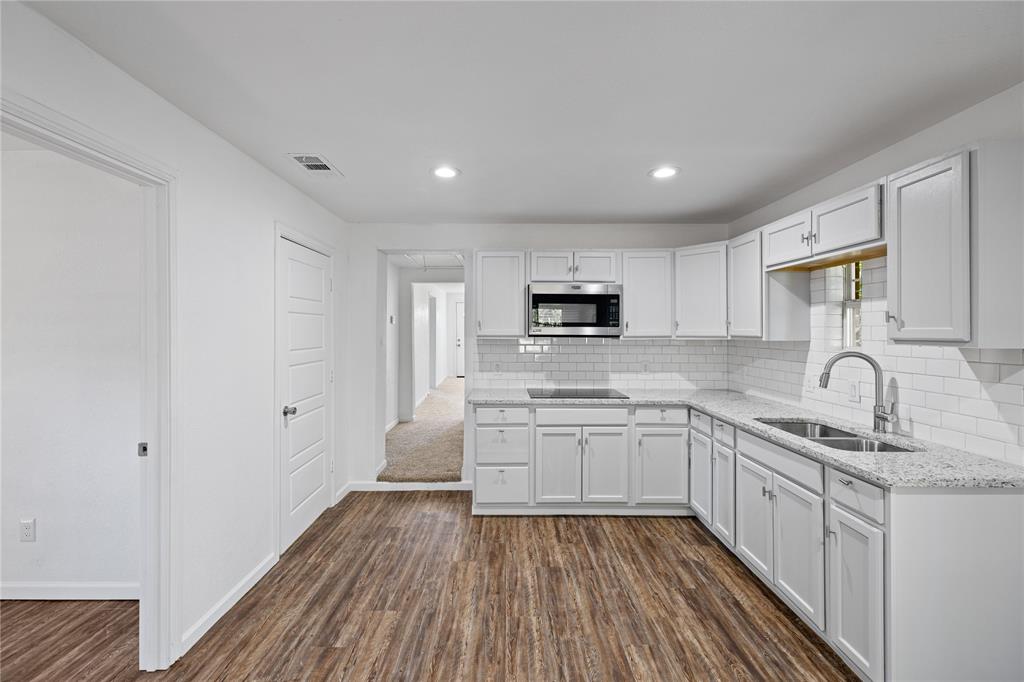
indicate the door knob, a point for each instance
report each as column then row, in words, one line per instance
column 289, row 411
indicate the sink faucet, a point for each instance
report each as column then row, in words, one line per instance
column 882, row 415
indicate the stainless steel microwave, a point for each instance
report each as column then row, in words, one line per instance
column 574, row 310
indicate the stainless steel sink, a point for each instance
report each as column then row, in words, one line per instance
column 806, row 429
column 857, row 444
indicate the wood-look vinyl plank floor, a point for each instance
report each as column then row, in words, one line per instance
column 410, row 586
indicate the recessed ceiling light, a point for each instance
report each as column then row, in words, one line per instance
column 663, row 172
column 446, row 172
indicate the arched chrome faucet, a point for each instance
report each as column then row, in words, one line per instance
column 882, row 415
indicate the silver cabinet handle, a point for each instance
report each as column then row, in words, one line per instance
column 764, row 491
column 805, row 238
column 577, row 268
column 845, row 481
column 478, row 325
column 289, row 411
column 816, row 236
column 677, row 325
column 627, row 326
column 829, row 531
column 889, row 317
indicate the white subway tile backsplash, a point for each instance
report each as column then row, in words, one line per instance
column 962, row 397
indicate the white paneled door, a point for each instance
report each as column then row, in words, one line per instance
column 304, row 358
column 460, row 338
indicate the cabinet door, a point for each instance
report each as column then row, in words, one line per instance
column 700, row 475
column 605, row 464
column 596, row 266
column 559, row 451
column 929, row 255
column 551, row 266
column 701, row 291
column 723, row 497
column 647, row 293
column 800, row 548
column 854, row 218
column 745, row 275
column 500, row 293
column 754, row 533
column 662, row 466
column 855, row 622
column 788, row 239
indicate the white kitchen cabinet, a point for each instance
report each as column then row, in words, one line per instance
column 745, row 277
column 700, row 475
column 574, row 266
column 723, row 496
column 605, row 464
column 754, row 516
column 500, row 293
column 559, row 464
column 662, row 465
column 856, row 595
column 788, row 239
column 596, row 266
column 647, row 293
column 551, row 266
column 799, row 550
column 701, row 291
column 846, row 221
column 929, row 255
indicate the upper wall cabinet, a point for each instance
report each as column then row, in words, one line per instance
column 647, row 293
column 701, row 291
column 848, row 220
column 500, row 293
column 788, row 239
column 929, row 257
column 574, row 266
column 844, row 222
column 745, row 279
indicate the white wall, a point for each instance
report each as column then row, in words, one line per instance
column 997, row 117
column 366, row 314
column 226, row 208
column 72, row 266
column 391, row 344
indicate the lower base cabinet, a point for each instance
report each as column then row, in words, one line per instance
column 700, row 476
column 856, row 595
column 662, row 469
column 723, row 499
column 800, row 548
column 605, row 464
column 502, row 485
column 559, row 464
column 754, row 516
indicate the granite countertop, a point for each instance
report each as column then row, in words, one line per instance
column 929, row 465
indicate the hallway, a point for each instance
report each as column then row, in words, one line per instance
column 429, row 449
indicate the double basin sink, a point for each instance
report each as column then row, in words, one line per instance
column 832, row 437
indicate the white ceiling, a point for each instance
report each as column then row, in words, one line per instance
column 555, row 111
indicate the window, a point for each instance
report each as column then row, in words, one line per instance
column 852, row 293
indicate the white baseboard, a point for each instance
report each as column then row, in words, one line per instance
column 200, row 627
column 391, row 425
column 69, row 590
column 585, row 510
column 380, row 486
column 381, row 467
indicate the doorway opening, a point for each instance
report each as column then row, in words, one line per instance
column 74, row 396
column 426, row 367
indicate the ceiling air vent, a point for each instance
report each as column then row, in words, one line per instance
column 316, row 164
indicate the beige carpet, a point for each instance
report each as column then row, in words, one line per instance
column 429, row 448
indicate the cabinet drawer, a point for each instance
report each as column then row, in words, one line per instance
column 502, row 485
column 854, row 494
column 661, row 415
column 581, row 416
column 502, row 415
column 497, row 445
column 798, row 468
column 701, row 422
column 724, row 433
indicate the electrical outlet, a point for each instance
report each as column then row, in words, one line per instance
column 27, row 530
column 853, row 392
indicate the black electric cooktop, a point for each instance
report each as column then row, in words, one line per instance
column 582, row 393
